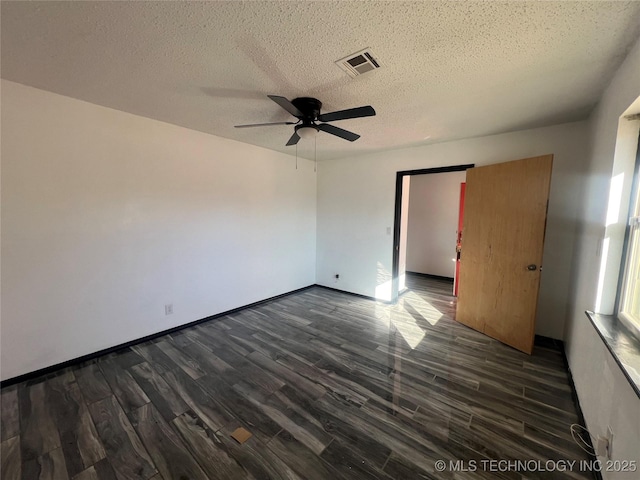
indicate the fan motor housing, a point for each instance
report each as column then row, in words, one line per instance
column 310, row 107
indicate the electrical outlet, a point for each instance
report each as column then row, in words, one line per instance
column 602, row 446
column 168, row 309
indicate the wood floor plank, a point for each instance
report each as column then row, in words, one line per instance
column 367, row 382
column 80, row 443
column 167, row 451
column 230, row 355
column 88, row 474
column 181, row 340
column 50, row 466
column 397, row 467
column 125, row 358
column 208, row 449
column 560, row 401
column 208, row 409
column 205, row 355
column 305, row 431
column 73, row 460
column 287, row 376
column 498, row 402
column 510, row 443
column 242, row 409
column 257, row 459
column 124, row 387
column 155, row 356
column 38, row 431
column 10, row 461
column 247, row 371
column 92, row 383
column 127, row 455
column 100, row 471
column 296, row 347
column 405, row 442
column 306, row 463
column 9, row 413
column 350, row 464
column 251, row 343
column 358, row 439
column 218, row 341
column 457, row 443
column 105, row 471
column 315, row 375
column 165, row 399
column 567, row 447
column 186, row 363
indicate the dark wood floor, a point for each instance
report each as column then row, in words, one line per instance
column 331, row 386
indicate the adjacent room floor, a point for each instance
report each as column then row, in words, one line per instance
column 331, row 386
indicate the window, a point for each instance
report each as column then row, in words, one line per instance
column 629, row 306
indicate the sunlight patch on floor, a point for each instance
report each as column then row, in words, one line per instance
column 404, row 320
column 430, row 313
column 411, row 303
column 410, row 331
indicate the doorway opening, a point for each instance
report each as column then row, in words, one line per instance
column 401, row 219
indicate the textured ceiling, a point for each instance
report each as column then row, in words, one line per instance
column 449, row 69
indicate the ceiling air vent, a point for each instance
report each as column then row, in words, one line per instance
column 358, row 63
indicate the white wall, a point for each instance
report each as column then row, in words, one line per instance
column 107, row 216
column 356, row 205
column 605, row 394
column 433, row 221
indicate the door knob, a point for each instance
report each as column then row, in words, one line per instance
column 532, row 267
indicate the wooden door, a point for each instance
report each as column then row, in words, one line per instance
column 503, row 236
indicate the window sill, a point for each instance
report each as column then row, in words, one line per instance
column 623, row 345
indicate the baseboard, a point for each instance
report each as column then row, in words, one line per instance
column 543, row 341
column 359, row 295
column 433, row 277
column 90, row 356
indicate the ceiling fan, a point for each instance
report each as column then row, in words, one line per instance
column 307, row 111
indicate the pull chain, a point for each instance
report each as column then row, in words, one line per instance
column 296, row 156
column 315, row 153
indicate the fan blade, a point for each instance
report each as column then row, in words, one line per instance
column 358, row 112
column 295, row 138
column 338, row 132
column 264, row 124
column 286, row 104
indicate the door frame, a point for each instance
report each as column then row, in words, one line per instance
column 395, row 266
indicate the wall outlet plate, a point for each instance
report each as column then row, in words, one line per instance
column 168, row 309
column 602, row 446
